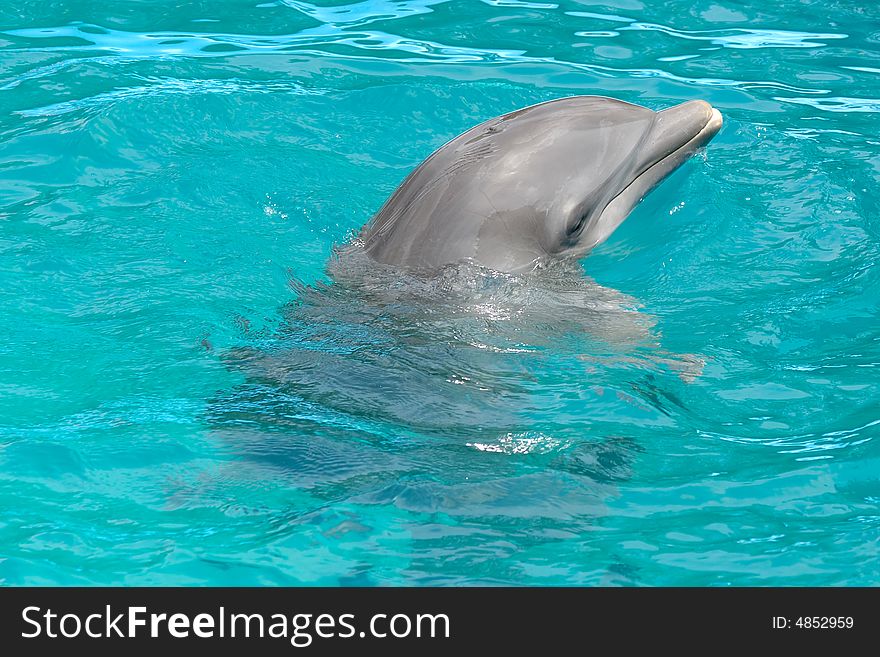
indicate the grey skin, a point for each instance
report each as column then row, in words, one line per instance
column 548, row 181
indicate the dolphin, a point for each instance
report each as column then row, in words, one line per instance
column 381, row 384
column 549, row 181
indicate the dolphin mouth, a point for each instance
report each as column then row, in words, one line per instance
column 678, row 132
column 653, row 174
column 710, row 129
column 707, row 127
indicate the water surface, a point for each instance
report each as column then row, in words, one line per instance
column 187, row 397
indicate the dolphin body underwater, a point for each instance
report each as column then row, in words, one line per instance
column 545, row 182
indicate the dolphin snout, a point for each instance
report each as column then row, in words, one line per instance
column 713, row 120
column 692, row 123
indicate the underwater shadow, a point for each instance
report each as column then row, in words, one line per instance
column 472, row 396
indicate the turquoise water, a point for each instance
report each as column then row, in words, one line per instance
column 188, row 397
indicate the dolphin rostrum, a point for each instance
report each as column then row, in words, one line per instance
column 548, row 181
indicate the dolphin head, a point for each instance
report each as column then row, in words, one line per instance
column 548, row 181
column 626, row 153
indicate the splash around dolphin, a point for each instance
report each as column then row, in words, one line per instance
column 549, row 181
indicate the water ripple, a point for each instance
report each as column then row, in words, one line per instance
column 744, row 38
column 362, row 13
column 837, row 103
column 161, row 87
column 160, row 45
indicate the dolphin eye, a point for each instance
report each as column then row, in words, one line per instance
column 577, row 225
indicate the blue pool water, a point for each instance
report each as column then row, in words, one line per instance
column 187, row 398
